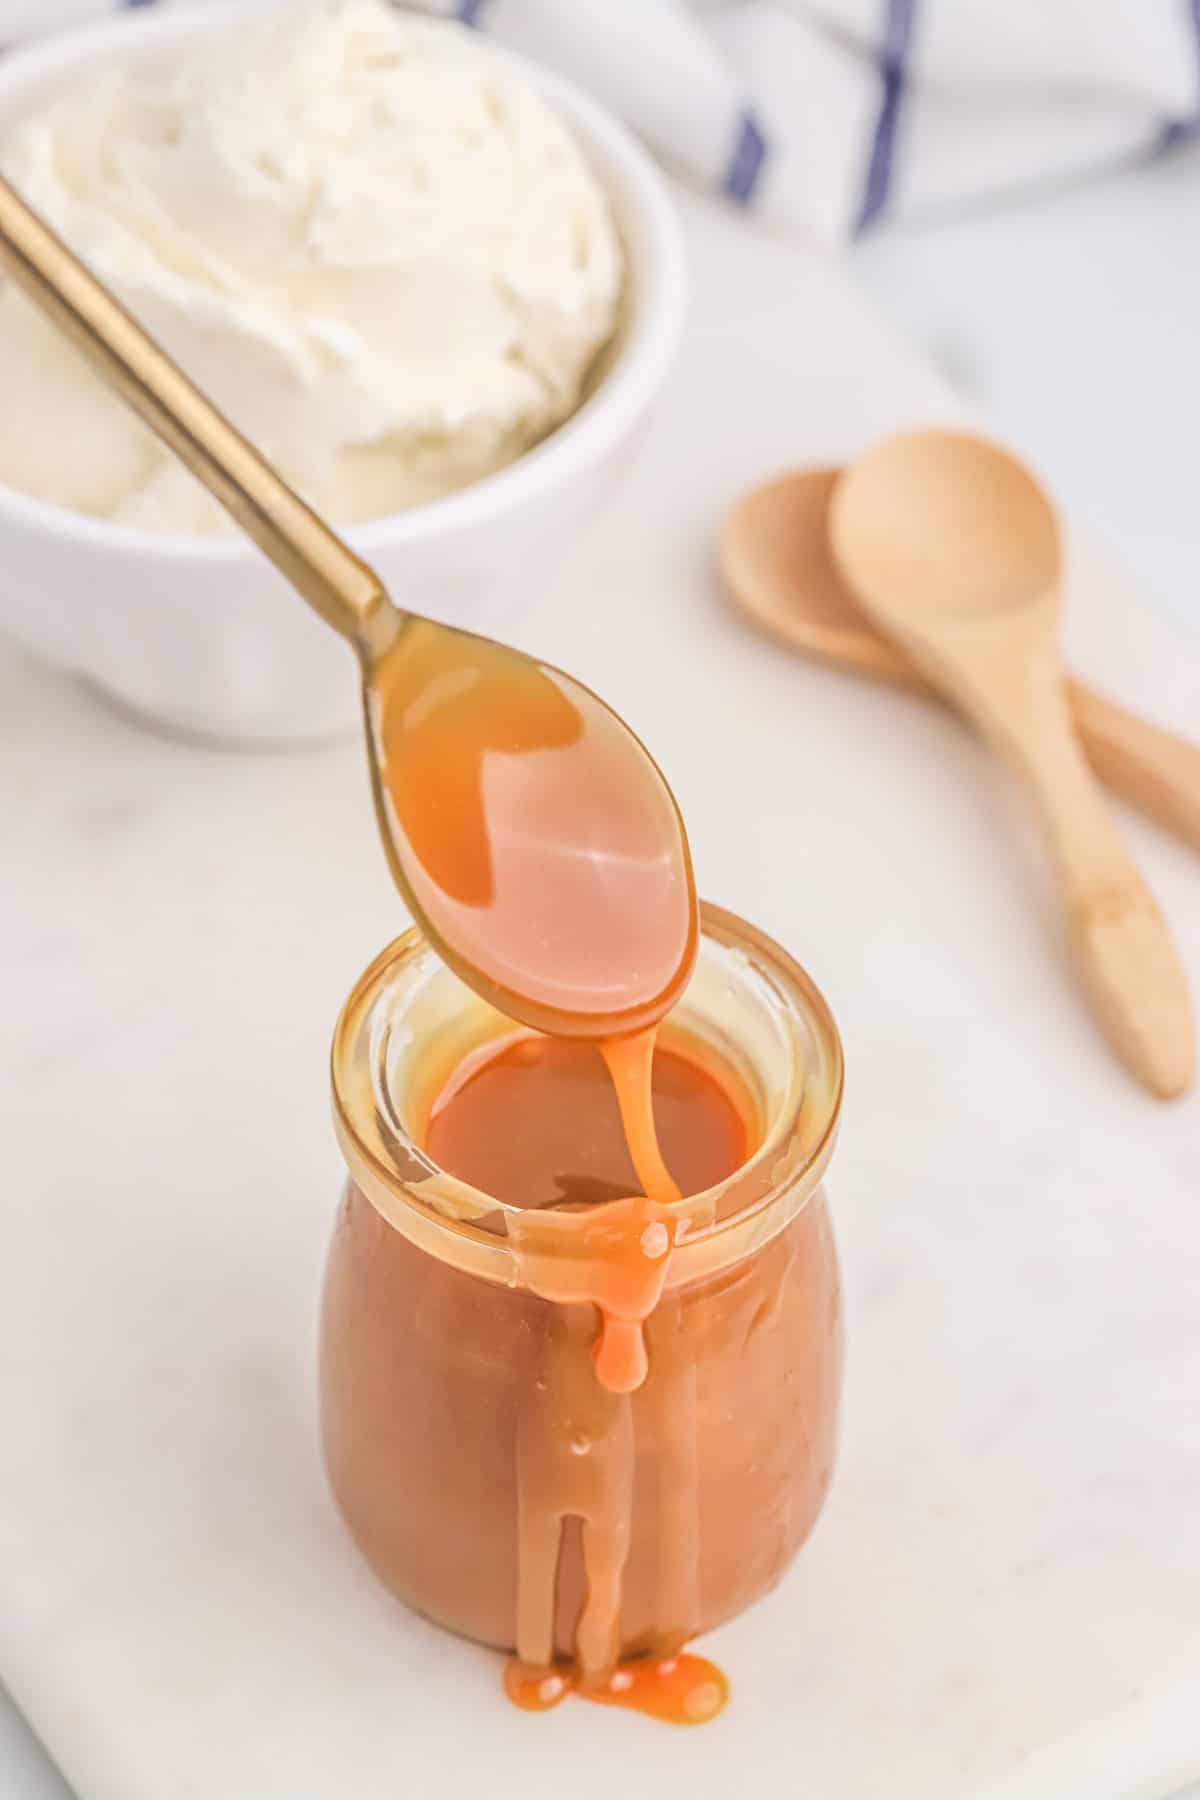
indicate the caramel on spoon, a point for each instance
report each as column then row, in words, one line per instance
column 779, row 567
column 533, row 836
column 953, row 550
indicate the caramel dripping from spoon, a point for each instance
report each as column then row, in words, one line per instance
column 616, row 1257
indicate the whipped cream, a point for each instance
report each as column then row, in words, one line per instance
column 365, row 235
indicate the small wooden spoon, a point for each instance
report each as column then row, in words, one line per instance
column 777, row 562
column 953, row 550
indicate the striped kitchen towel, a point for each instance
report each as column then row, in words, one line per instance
column 832, row 115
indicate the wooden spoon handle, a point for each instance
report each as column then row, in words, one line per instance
column 1154, row 770
column 1129, row 963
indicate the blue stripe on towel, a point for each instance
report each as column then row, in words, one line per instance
column 745, row 165
column 1177, row 130
column 469, row 11
column 893, row 56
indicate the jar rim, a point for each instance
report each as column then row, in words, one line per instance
column 441, row 1213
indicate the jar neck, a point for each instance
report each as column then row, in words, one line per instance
column 748, row 1001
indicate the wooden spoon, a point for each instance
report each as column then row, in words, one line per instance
column 777, row 562
column 953, row 550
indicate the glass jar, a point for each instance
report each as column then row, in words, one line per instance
column 439, row 1417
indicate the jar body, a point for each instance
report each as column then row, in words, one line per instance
column 433, row 1379
column 493, row 1476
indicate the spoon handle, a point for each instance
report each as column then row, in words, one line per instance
column 1155, row 770
column 1125, row 952
column 340, row 587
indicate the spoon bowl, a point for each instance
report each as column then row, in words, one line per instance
column 777, row 563
column 948, row 523
column 531, row 832
column 779, row 567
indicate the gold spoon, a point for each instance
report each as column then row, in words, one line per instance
column 777, row 563
column 953, row 550
column 561, row 885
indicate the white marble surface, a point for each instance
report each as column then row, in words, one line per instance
column 26, row 1771
column 1003, row 1598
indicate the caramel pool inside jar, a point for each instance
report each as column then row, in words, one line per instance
column 492, row 1477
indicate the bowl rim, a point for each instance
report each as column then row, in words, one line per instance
column 605, row 417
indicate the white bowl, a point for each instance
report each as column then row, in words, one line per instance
column 202, row 634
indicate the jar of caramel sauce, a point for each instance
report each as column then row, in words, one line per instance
column 491, row 1480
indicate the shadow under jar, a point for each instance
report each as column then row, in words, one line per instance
column 468, row 1443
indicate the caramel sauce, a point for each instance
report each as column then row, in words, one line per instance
column 533, row 834
column 534, row 1121
column 542, row 1124
column 487, row 1476
column 679, row 1690
column 544, row 853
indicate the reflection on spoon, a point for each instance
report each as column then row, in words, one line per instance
column 532, row 833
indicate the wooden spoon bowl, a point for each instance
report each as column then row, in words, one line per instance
column 779, row 568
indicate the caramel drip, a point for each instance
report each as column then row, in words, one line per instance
column 613, row 1257
column 631, row 1064
column 575, row 1437
column 574, row 1460
column 670, row 1401
column 679, row 1690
